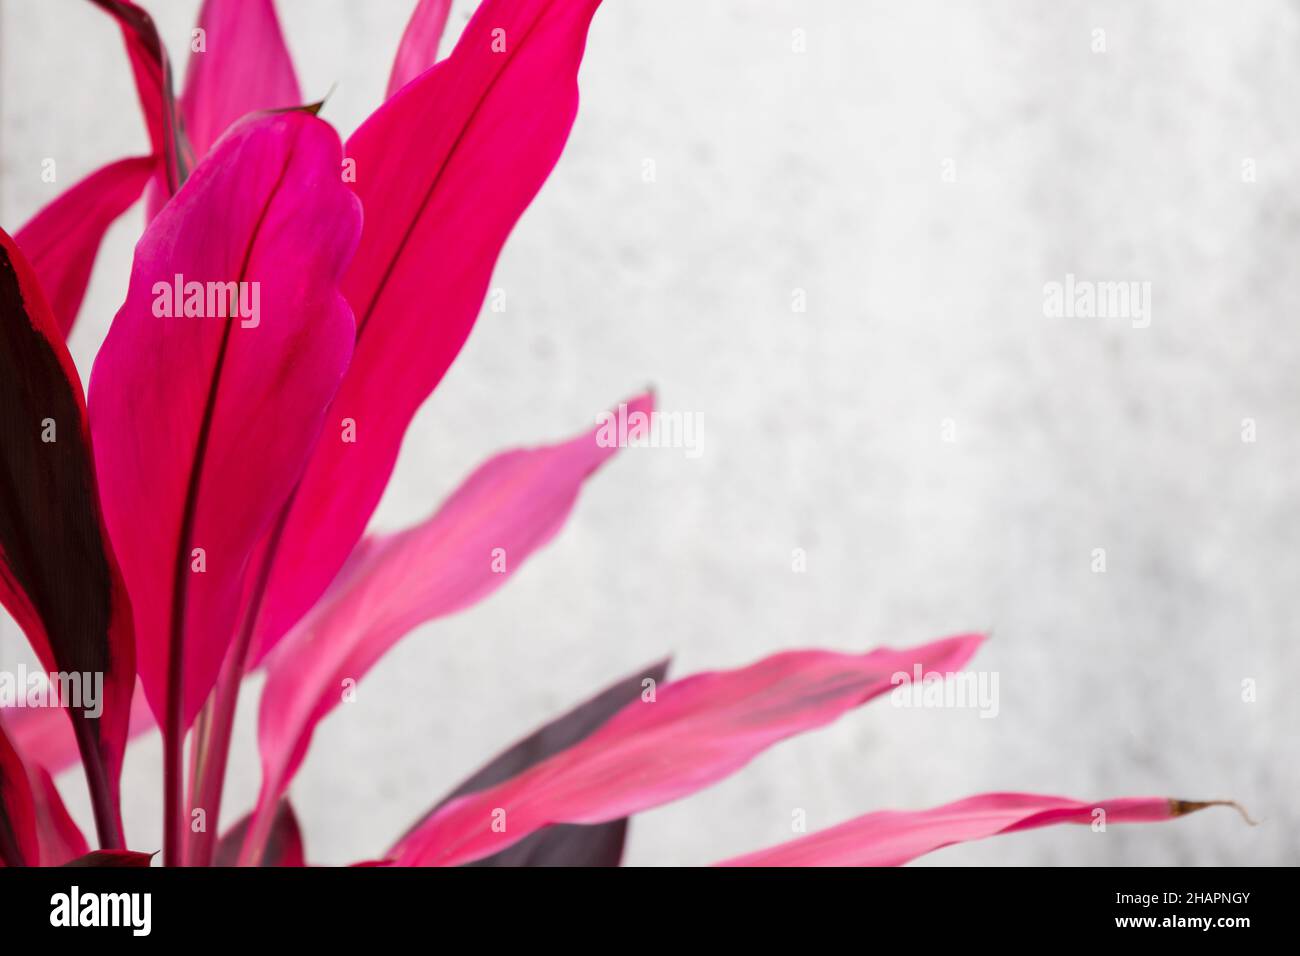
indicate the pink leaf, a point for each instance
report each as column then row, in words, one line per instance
column 62, row 239
column 443, row 169
column 153, row 81
column 892, row 837
column 419, row 47
column 244, row 67
column 202, row 423
column 58, row 836
column 698, row 731
column 44, row 737
column 506, row 510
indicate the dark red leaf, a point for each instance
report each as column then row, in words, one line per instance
column 18, row 841
column 565, row 844
column 58, row 576
column 283, row 844
column 112, row 858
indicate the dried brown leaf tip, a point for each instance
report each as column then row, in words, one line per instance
column 1179, row 808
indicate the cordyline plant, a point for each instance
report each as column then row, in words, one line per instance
column 293, row 301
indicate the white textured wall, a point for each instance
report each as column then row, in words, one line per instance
column 822, row 171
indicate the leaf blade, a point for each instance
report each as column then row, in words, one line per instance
column 62, row 240
column 187, row 457
column 419, row 47
column 515, row 502
column 245, row 67
column 892, row 837
column 57, row 835
column 443, row 169
column 564, row 844
column 153, row 81
column 699, row 730
column 59, row 577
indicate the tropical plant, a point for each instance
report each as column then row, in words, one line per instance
column 293, row 301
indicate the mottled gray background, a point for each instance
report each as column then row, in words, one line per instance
column 822, row 171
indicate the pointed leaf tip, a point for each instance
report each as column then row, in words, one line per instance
column 895, row 837
column 245, row 67
column 1181, row 808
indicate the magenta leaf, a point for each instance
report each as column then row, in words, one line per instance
column 58, row 836
column 62, row 239
column 694, row 732
column 443, row 169
column 563, row 844
column 153, row 82
column 243, row 67
column 58, row 576
column 203, row 421
column 893, row 837
column 419, row 47
column 506, row 510
column 44, row 736
column 209, row 391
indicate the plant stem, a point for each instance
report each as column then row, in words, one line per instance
column 259, row 828
column 200, row 742
column 174, row 725
column 225, row 698
column 108, row 816
column 173, row 754
column 208, row 779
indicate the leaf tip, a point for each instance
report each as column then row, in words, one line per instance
column 1181, row 808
